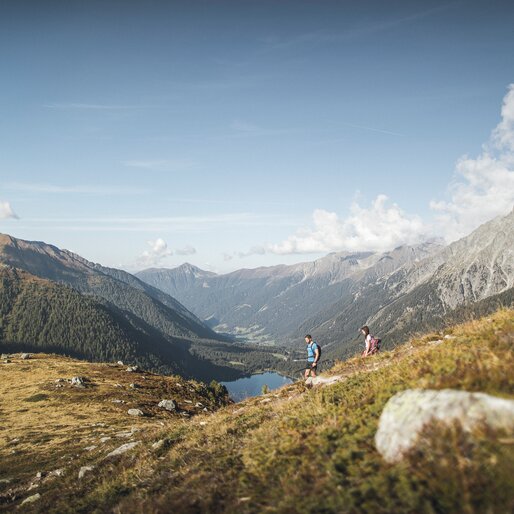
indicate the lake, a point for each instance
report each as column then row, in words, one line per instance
column 252, row 386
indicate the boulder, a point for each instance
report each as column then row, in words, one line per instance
column 25, row 356
column 407, row 413
column 122, row 449
column 135, row 412
column 168, row 405
column 132, row 369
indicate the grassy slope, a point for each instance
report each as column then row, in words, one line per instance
column 313, row 450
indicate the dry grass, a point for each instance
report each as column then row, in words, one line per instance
column 311, row 450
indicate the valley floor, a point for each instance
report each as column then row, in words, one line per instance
column 298, row 449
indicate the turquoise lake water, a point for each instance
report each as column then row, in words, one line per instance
column 252, row 386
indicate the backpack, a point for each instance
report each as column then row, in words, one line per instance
column 374, row 346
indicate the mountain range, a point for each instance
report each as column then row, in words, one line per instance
column 397, row 293
column 55, row 300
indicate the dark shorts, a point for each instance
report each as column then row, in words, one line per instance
column 309, row 366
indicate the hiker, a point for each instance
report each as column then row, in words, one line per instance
column 313, row 355
column 372, row 343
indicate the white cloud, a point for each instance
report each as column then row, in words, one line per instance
column 379, row 227
column 484, row 186
column 254, row 250
column 156, row 254
column 6, row 211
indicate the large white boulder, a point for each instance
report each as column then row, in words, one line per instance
column 407, row 413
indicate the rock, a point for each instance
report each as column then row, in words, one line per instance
column 78, row 382
column 59, row 380
column 202, row 423
column 266, row 400
column 31, row 499
column 407, row 413
column 158, row 444
column 85, row 469
column 132, row 369
column 104, row 439
column 4, row 356
column 5, row 480
column 120, row 363
column 56, row 473
column 135, row 412
column 448, row 336
column 117, row 401
column 188, row 401
column 122, row 449
column 134, row 386
column 199, row 405
column 25, row 356
column 169, row 405
column 7, row 361
column 90, row 448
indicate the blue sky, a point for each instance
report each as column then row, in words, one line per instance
column 246, row 133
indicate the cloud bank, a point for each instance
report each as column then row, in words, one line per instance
column 482, row 188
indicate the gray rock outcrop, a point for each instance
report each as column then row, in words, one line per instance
column 407, row 413
column 169, row 405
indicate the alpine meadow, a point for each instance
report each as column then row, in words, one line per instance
column 257, row 257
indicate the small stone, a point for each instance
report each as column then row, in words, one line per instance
column 132, row 369
column 266, row 400
column 117, row 401
column 31, row 499
column 134, row 386
column 203, row 423
column 85, row 469
column 56, row 473
column 39, row 475
column 199, row 404
column 188, row 401
column 25, row 356
column 59, row 380
column 90, row 448
column 120, row 363
column 122, row 449
column 448, row 336
column 104, row 439
column 7, row 361
column 78, row 382
column 5, row 480
column 169, row 405
column 135, row 412
column 158, row 444
column 4, row 356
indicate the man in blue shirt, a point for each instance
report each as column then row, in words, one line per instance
column 313, row 354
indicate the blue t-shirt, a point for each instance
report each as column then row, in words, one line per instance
column 311, row 351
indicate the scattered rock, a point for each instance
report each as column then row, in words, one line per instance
column 135, row 386
column 56, row 473
column 169, row 405
column 118, row 385
column 266, row 400
column 135, row 412
column 104, row 439
column 117, row 401
column 120, row 363
column 60, row 380
column 25, row 356
column 239, row 411
column 133, row 369
column 188, row 401
column 4, row 356
column 448, row 336
column 85, row 469
column 31, row 499
column 5, row 480
column 122, row 449
column 158, row 444
column 78, row 382
column 90, row 448
column 199, row 405
column 407, row 413
column 202, row 423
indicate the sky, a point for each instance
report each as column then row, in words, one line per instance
column 252, row 132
